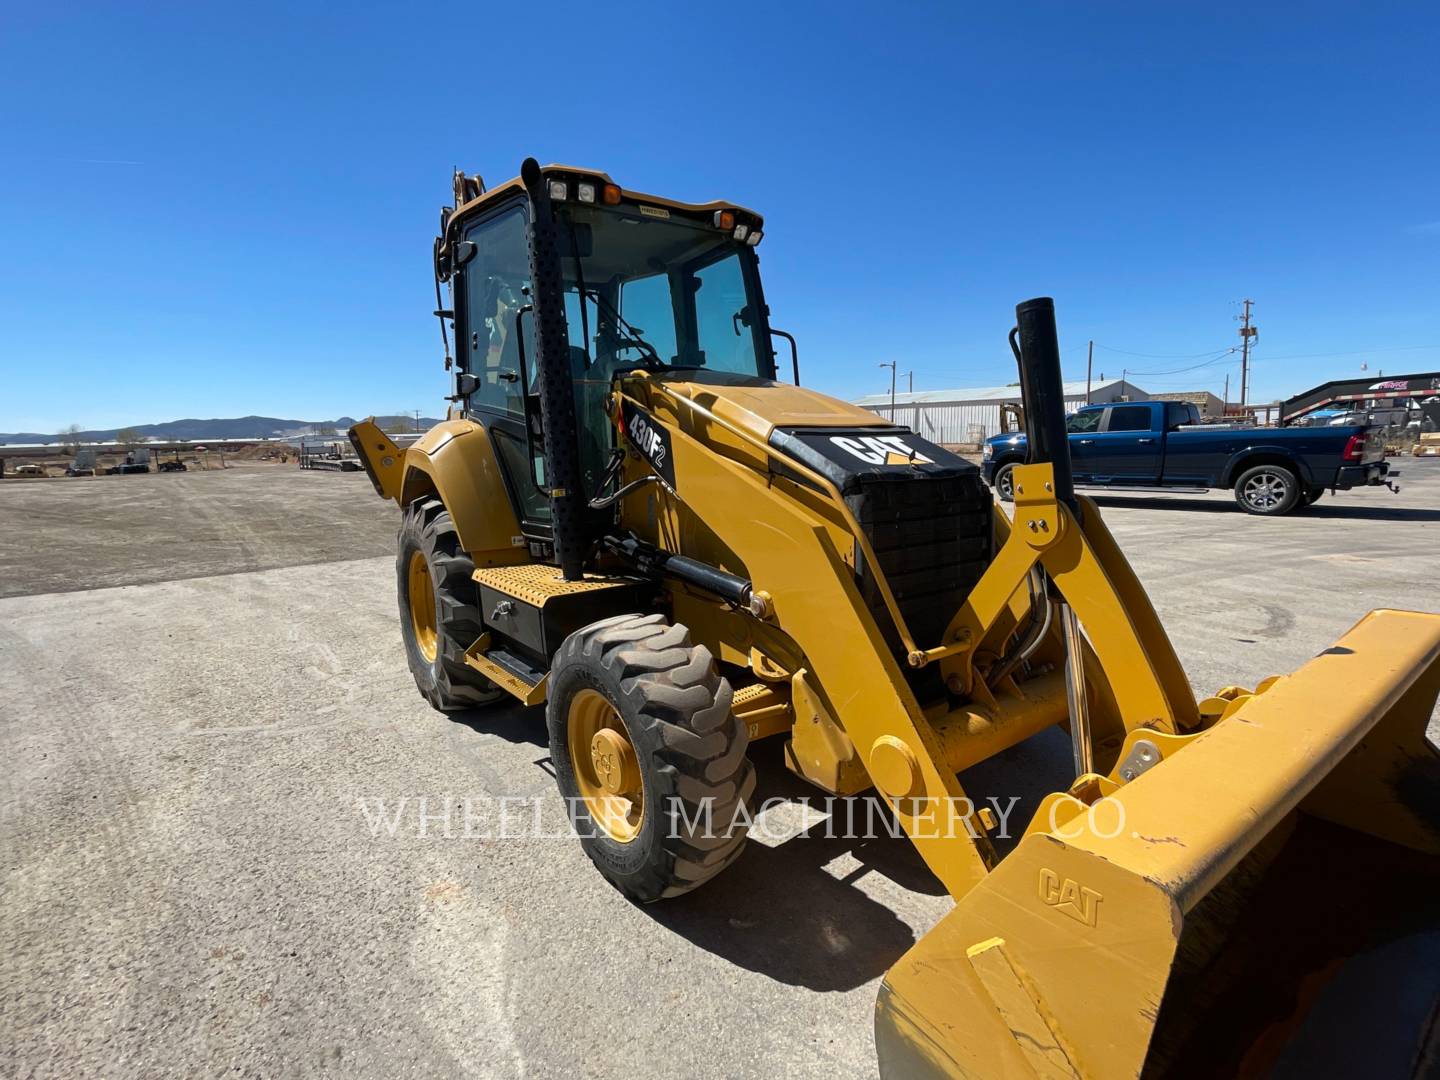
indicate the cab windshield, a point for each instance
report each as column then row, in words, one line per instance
column 660, row 292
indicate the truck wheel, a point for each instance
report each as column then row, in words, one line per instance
column 439, row 609
column 1268, row 490
column 1005, row 482
column 648, row 755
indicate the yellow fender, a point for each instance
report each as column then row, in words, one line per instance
column 455, row 461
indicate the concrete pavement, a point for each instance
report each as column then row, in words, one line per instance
column 234, row 838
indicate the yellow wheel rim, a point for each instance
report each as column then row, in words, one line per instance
column 422, row 604
column 605, row 767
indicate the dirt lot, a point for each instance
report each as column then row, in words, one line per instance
column 88, row 532
column 234, row 838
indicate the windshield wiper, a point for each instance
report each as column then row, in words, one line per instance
column 628, row 333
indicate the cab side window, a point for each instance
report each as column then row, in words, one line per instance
column 494, row 284
column 719, row 298
column 1084, row 421
column 1129, row 418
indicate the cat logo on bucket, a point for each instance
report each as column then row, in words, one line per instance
column 1067, row 895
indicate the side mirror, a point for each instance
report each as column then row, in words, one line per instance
column 462, row 253
column 462, row 385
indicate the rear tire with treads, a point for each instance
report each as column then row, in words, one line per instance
column 1267, row 490
column 675, row 711
column 428, row 537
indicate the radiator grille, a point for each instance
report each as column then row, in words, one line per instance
column 933, row 539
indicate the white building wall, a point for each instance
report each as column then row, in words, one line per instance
column 943, row 423
column 951, row 422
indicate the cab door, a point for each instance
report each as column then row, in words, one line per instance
column 1082, row 428
column 493, row 334
column 1125, row 450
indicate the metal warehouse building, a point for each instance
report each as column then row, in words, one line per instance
column 972, row 416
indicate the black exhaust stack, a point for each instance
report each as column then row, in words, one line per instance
column 1037, row 350
column 557, row 398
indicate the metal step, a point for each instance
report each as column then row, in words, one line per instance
column 514, row 674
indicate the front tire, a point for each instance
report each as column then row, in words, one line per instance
column 1004, row 484
column 1267, row 490
column 439, row 609
column 641, row 733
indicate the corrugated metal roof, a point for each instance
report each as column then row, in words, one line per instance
column 1199, row 397
column 980, row 393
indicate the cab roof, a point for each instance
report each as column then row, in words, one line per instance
column 572, row 173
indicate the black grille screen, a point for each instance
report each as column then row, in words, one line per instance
column 925, row 511
column 932, row 538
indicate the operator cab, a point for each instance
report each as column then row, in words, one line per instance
column 647, row 283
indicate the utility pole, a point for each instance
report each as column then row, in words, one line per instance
column 893, row 366
column 910, row 375
column 417, row 421
column 1089, row 363
column 1248, row 334
column 1226, row 401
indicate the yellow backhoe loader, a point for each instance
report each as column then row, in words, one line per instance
column 629, row 517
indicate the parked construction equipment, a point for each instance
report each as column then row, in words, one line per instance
column 83, row 463
column 627, row 516
column 328, row 457
column 136, row 461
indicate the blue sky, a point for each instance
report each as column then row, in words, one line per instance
column 214, row 210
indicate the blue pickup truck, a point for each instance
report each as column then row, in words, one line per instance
column 1162, row 444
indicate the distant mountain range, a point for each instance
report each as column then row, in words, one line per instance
column 239, row 427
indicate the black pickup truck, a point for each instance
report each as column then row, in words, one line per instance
column 1162, row 445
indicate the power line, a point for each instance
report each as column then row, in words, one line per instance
column 1155, row 356
column 1215, row 358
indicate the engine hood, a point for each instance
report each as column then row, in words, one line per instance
column 762, row 405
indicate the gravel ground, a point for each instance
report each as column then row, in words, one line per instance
column 233, row 837
column 88, row 532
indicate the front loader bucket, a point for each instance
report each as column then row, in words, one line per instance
column 1210, row 916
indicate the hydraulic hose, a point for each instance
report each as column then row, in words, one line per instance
column 1041, row 611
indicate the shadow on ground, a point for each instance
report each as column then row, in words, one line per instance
column 508, row 720
column 796, row 908
column 785, row 912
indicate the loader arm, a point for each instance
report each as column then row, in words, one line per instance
column 790, row 540
column 1181, row 909
column 793, row 539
